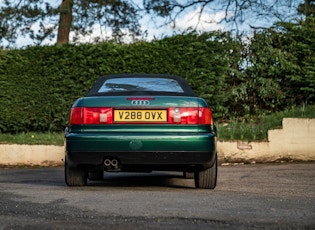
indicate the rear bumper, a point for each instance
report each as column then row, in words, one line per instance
column 141, row 149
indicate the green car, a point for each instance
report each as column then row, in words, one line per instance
column 140, row 123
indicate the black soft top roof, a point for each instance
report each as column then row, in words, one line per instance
column 186, row 90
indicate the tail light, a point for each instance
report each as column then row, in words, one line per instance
column 190, row 116
column 104, row 115
column 88, row 116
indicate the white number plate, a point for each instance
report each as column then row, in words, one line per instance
column 140, row 115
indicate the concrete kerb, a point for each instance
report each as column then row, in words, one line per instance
column 31, row 155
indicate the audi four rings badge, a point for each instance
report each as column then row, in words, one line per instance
column 140, row 102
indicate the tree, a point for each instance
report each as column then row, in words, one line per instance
column 280, row 70
column 236, row 11
column 299, row 40
column 17, row 18
column 65, row 21
column 307, row 8
column 263, row 86
column 38, row 20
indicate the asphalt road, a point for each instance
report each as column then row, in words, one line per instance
column 263, row 196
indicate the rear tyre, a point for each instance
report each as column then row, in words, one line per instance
column 207, row 179
column 75, row 176
column 188, row 175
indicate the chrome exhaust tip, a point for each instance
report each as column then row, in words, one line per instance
column 107, row 162
column 114, row 163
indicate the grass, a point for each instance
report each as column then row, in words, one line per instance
column 33, row 138
column 249, row 129
column 256, row 129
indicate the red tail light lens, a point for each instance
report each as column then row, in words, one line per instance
column 76, row 116
column 185, row 116
column 205, row 116
column 89, row 116
column 190, row 116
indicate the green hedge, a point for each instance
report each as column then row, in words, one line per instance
column 239, row 80
column 39, row 84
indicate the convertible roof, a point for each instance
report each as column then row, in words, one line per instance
column 185, row 88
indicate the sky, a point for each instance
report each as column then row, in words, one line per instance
column 208, row 21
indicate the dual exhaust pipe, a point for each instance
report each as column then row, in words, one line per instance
column 111, row 163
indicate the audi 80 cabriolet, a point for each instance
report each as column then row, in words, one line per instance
column 140, row 123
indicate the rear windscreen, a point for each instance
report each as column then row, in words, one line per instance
column 141, row 84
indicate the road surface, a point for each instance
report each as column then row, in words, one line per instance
column 268, row 196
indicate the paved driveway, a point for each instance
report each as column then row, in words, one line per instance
column 247, row 197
